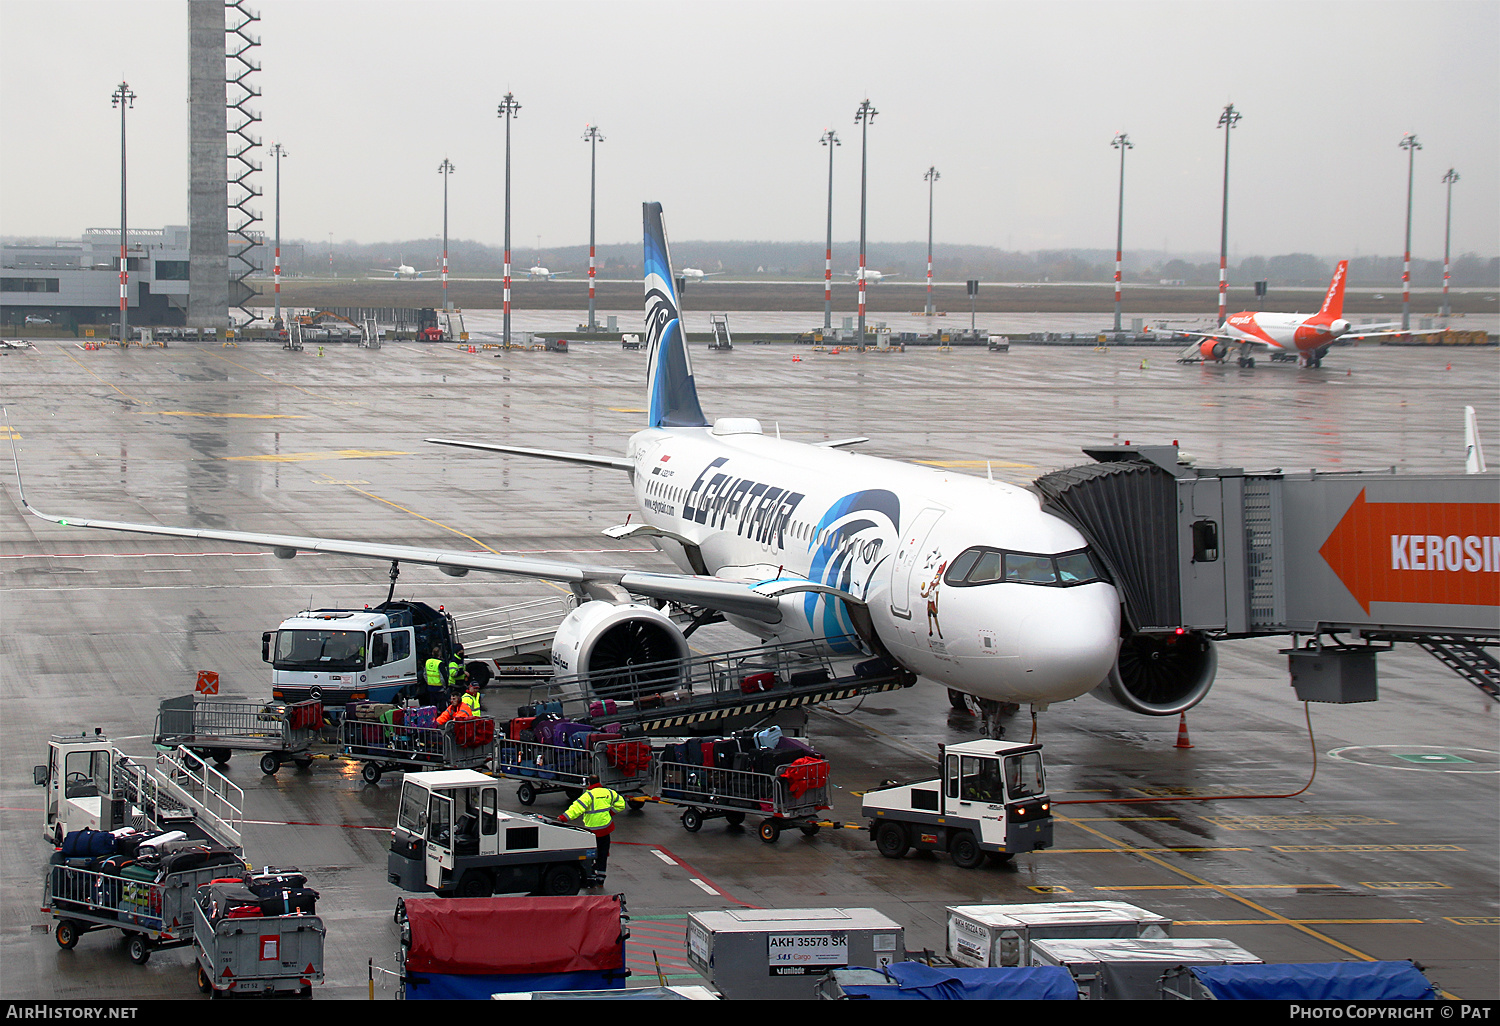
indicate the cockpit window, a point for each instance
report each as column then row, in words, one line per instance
column 989, row 566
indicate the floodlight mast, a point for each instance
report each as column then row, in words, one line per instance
column 862, row 117
column 445, row 169
column 931, row 177
column 1448, row 180
column 122, row 97
column 1411, row 146
column 1227, row 121
column 593, row 138
column 1122, row 143
column 278, row 151
column 508, row 109
column 831, row 140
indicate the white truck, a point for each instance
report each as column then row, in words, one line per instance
column 341, row 655
column 452, row 837
column 990, row 802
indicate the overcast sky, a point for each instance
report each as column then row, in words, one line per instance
column 716, row 108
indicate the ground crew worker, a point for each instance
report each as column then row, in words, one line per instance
column 596, row 809
column 455, row 670
column 435, row 672
column 471, row 698
column 456, row 710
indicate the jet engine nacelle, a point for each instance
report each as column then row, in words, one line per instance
column 618, row 649
column 1212, row 349
column 1160, row 674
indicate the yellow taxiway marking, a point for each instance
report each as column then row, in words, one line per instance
column 1226, row 891
column 1205, row 886
column 956, row 464
column 621, row 409
column 235, row 416
column 337, row 454
column 1117, row 851
column 1305, row 922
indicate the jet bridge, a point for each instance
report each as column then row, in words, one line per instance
column 1345, row 563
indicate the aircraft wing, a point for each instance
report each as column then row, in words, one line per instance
column 1350, row 335
column 583, row 459
column 707, row 592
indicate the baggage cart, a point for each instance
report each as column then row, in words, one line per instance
column 281, row 732
column 457, row 744
column 621, row 764
column 151, row 912
column 792, row 796
column 269, row 954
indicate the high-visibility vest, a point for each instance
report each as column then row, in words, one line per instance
column 472, row 703
column 596, row 807
column 434, row 672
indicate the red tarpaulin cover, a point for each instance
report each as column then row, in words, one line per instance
column 515, row 935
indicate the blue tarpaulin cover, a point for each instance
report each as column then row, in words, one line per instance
column 913, row 981
column 1317, row 981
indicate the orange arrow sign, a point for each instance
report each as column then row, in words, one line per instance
column 1425, row 552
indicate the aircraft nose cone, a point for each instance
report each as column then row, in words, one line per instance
column 1071, row 653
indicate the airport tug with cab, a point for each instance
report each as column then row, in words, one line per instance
column 452, row 837
column 990, row 801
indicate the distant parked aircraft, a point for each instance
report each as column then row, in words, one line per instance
column 870, row 275
column 695, row 274
column 403, row 272
column 543, row 273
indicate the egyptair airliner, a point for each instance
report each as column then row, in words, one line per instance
column 1307, row 337
column 965, row 581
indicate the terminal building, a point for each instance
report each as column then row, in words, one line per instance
column 77, row 282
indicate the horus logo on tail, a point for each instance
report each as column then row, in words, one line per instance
column 671, row 396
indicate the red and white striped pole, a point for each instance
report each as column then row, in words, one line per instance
column 1227, row 120
column 1448, row 180
column 862, row 117
column 1411, row 146
column 508, row 109
column 592, row 136
column 1122, row 143
column 445, row 169
column 831, row 140
column 123, row 98
column 932, row 176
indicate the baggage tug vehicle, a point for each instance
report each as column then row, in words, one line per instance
column 990, row 801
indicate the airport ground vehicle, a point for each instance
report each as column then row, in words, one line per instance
column 621, row 764
column 337, row 656
column 457, row 744
column 257, row 954
column 91, row 784
column 789, row 796
column 215, row 728
column 990, row 800
column 452, row 837
column 146, row 899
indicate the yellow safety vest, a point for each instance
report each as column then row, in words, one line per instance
column 597, row 807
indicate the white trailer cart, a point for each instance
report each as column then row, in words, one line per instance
column 217, row 728
column 785, row 798
column 152, row 908
column 457, row 744
column 622, row 764
column 269, row 954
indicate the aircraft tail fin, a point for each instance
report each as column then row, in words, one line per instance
column 1333, row 303
column 671, row 396
column 1473, row 451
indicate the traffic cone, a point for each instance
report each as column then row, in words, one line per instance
column 1182, row 735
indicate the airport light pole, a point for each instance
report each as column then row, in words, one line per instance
column 508, row 109
column 1448, row 180
column 829, row 139
column 1227, row 120
column 862, row 117
column 593, row 138
column 931, row 176
column 1122, row 143
column 445, row 169
column 122, row 97
column 1411, row 146
column 278, row 151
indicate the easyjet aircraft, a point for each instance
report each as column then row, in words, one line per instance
column 1306, row 337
